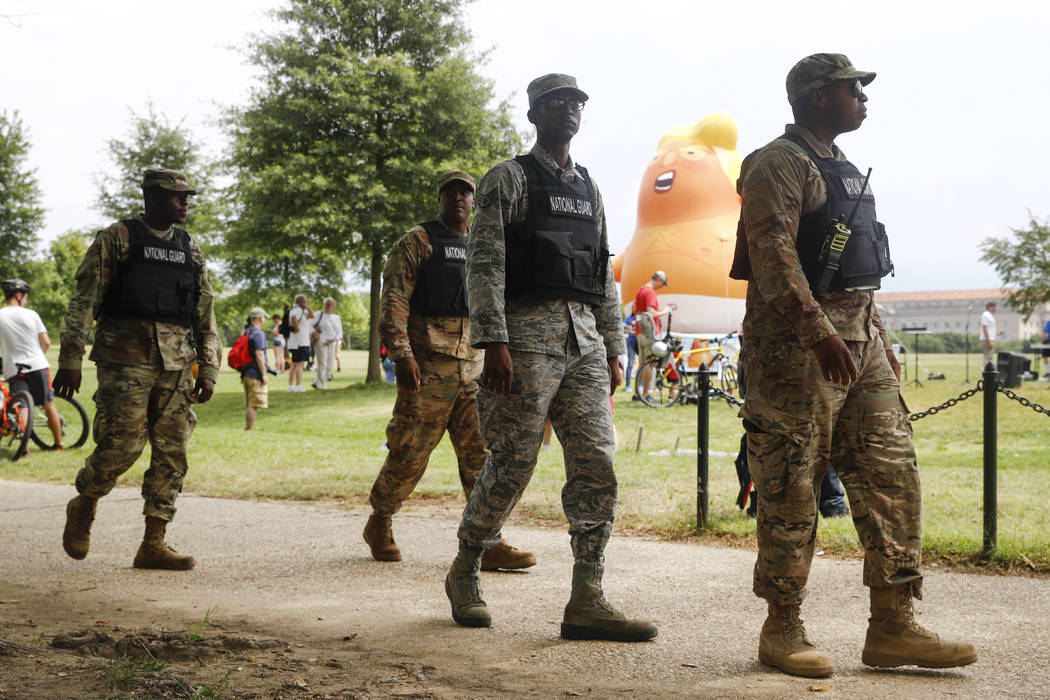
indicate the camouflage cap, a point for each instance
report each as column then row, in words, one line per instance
column 819, row 70
column 168, row 179
column 456, row 176
column 549, row 83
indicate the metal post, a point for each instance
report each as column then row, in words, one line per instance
column 703, row 422
column 991, row 386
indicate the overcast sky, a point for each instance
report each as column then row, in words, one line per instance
column 956, row 132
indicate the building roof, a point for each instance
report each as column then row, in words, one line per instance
column 944, row 295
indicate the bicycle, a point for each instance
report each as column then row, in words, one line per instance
column 16, row 422
column 72, row 417
column 672, row 381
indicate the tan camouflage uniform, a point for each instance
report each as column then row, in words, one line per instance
column 144, row 377
column 448, row 391
column 797, row 420
column 559, row 350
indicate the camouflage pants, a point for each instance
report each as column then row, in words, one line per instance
column 134, row 404
column 446, row 401
column 797, row 424
column 574, row 392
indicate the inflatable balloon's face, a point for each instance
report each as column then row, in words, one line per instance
column 687, row 215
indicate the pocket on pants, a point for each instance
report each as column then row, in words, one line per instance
column 778, row 446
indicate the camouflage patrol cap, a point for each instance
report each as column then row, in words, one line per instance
column 168, row 179
column 456, row 176
column 549, row 83
column 819, row 70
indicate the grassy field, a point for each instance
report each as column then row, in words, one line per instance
column 330, row 446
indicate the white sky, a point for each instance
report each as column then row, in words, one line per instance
column 956, row 132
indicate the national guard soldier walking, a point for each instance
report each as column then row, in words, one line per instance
column 147, row 284
column 823, row 382
column 426, row 329
column 544, row 306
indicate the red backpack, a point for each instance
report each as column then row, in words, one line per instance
column 240, row 355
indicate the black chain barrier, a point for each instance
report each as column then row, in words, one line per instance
column 1027, row 403
column 730, row 399
column 947, row 404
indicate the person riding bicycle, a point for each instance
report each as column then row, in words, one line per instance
column 23, row 342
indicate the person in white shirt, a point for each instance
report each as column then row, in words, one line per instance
column 23, row 342
column 299, row 341
column 988, row 334
column 331, row 328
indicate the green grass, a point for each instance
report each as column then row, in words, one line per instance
column 329, row 445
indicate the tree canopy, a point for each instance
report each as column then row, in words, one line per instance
column 1023, row 263
column 360, row 105
column 21, row 212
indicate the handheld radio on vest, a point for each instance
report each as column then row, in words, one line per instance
column 835, row 241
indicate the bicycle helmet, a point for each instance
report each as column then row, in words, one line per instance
column 15, row 286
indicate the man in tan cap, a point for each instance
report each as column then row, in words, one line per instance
column 823, row 383
column 147, row 284
column 425, row 326
column 543, row 305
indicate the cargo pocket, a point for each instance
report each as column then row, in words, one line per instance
column 777, row 446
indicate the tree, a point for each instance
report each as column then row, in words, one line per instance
column 21, row 213
column 152, row 141
column 1023, row 263
column 361, row 104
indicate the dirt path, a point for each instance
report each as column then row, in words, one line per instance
column 343, row 625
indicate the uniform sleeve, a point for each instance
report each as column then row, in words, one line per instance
column 498, row 204
column 92, row 283
column 772, row 207
column 877, row 322
column 205, row 331
column 399, row 281
column 607, row 316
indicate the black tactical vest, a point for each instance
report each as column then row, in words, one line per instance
column 556, row 252
column 865, row 259
column 156, row 281
column 441, row 285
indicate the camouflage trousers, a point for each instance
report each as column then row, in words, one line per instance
column 573, row 391
column 447, row 400
column 133, row 405
column 797, row 423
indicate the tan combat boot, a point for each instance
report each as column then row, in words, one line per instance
column 589, row 616
column 154, row 553
column 76, row 538
column 503, row 556
column 896, row 639
column 464, row 590
column 380, row 538
column 783, row 644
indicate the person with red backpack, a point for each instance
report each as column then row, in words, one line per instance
column 248, row 356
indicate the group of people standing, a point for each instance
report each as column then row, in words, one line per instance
column 528, row 284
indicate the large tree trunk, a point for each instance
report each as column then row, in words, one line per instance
column 375, row 371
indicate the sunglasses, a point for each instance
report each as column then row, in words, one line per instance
column 854, row 87
column 574, row 105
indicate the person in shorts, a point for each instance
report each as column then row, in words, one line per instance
column 23, row 342
column 299, row 342
column 278, row 343
column 253, row 376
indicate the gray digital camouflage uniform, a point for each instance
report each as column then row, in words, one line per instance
column 796, row 421
column 446, row 400
column 144, row 377
column 559, row 350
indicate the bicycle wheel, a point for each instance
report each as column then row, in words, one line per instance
column 662, row 392
column 19, row 426
column 728, row 379
column 74, row 425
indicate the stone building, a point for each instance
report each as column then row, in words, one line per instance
column 956, row 311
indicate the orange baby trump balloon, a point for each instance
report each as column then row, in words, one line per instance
column 687, row 215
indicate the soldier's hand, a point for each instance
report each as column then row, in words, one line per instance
column 836, row 362
column 66, row 383
column 406, row 370
column 615, row 374
column 203, row 390
column 498, row 372
column 894, row 365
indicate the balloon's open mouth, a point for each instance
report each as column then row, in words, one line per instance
column 664, row 181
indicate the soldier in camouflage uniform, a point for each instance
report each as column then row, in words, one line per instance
column 544, row 306
column 425, row 327
column 147, row 285
column 823, row 383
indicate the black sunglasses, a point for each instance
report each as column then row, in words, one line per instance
column 854, row 87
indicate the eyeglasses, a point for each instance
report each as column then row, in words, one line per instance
column 560, row 102
column 854, row 87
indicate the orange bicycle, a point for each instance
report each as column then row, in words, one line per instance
column 16, row 422
column 672, row 378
